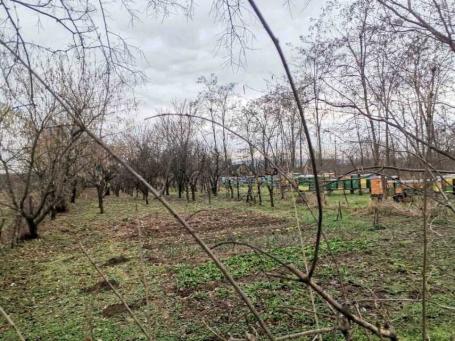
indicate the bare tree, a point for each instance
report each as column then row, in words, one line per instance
column 40, row 165
column 429, row 18
column 216, row 100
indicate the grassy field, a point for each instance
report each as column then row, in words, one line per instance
column 52, row 292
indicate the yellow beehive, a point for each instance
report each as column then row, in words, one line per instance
column 304, row 188
column 447, row 183
column 437, row 185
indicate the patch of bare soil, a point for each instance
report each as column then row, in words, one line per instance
column 116, row 260
column 205, row 221
column 101, row 286
column 119, row 308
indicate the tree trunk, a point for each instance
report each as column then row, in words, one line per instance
column 259, row 191
column 32, row 229
column 384, row 187
column 73, row 193
column 53, row 213
column 180, row 190
column 167, row 187
column 214, row 185
column 249, row 196
column 193, row 192
column 270, row 188
column 360, row 184
column 100, row 191
column 61, row 205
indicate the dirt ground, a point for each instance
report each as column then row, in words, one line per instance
column 219, row 221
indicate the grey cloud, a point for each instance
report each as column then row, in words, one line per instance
column 178, row 50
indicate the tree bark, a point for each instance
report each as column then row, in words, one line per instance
column 270, row 188
column 32, row 229
column 100, row 192
column 73, row 193
column 259, row 191
column 193, row 192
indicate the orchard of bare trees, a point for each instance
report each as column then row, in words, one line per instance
column 319, row 207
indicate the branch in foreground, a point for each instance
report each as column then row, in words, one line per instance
column 400, row 169
column 305, row 129
column 120, row 297
column 11, row 322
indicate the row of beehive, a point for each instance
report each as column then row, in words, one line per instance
column 362, row 183
column 375, row 184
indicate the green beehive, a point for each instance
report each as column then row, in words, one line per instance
column 332, row 185
column 347, row 183
column 306, row 184
column 355, row 182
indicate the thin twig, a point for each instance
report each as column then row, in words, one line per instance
column 306, row 333
column 120, row 297
column 425, row 257
column 305, row 262
column 143, row 269
column 306, row 131
column 306, row 310
column 213, row 331
column 11, row 322
column 443, row 306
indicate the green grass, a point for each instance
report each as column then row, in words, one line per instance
column 43, row 281
column 246, row 264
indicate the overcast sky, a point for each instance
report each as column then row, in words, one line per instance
column 177, row 50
